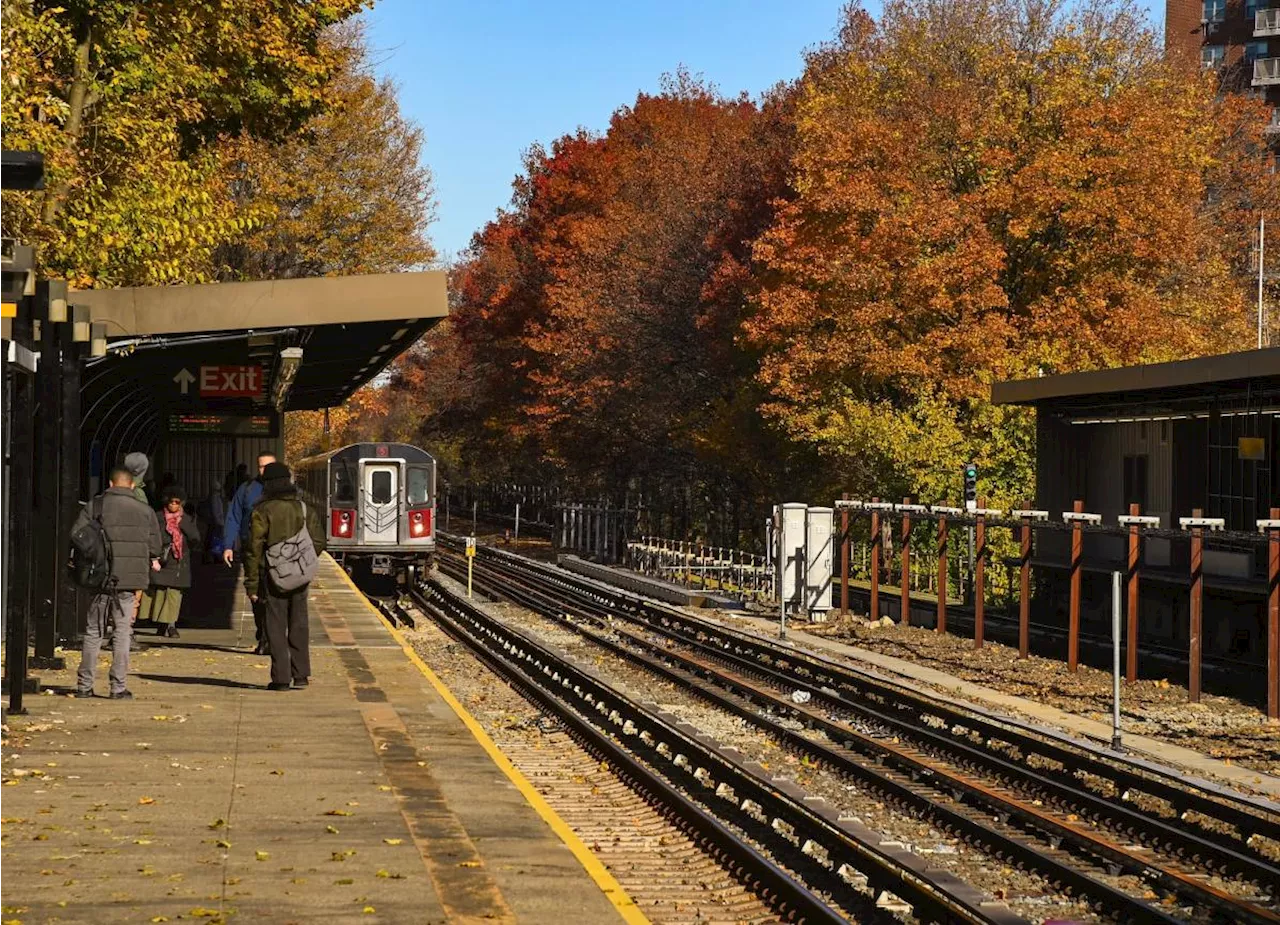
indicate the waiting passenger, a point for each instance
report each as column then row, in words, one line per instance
column 236, row 536
column 214, row 514
column 133, row 535
column 137, row 465
column 279, row 565
column 163, row 601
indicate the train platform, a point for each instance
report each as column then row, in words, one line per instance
column 909, row 672
column 371, row 795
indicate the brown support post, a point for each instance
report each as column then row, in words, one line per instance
column 1197, row 605
column 1073, row 629
column 979, row 585
column 1273, row 621
column 844, row 559
column 1131, row 632
column 1024, row 599
column 906, row 566
column 875, row 563
column 942, row 574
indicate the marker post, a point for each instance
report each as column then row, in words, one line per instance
column 471, row 557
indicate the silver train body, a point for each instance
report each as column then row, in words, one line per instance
column 378, row 502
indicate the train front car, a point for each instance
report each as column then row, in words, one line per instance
column 379, row 503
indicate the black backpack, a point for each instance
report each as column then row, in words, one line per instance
column 91, row 552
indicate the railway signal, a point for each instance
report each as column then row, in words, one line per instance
column 471, row 557
column 970, row 487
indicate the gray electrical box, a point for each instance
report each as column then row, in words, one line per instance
column 819, row 560
column 791, row 555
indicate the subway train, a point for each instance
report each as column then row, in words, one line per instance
column 378, row 502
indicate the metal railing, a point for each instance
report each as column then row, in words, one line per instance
column 732, row 572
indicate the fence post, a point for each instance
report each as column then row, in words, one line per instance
column 979, row 584
column 1077, row 553
column 844, row 559
column 1197, row 605
column 942, row 574
column 875, row 563
column 1135, row 556
column 1024, row 598
column 1273, row 619
column 906, row 565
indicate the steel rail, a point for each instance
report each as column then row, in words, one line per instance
column 1187, row 797
column 711, row 789
column 745, row 698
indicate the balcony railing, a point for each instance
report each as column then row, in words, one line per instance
column 1266, row 71
column 1273, row 127
column 1266, row 22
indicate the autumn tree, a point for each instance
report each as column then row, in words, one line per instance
column 987, row 190
column 127, row 100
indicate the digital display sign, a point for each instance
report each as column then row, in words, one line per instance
column 215, row 425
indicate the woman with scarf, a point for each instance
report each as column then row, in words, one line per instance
column 163, row 600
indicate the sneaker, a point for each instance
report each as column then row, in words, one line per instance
column 262, row 649
column 301, row 682
column 273, row 686
column 122, row 695
column 81, row 695
column 172, row 631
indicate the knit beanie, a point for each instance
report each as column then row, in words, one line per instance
column 275, row 470
column 136, row 464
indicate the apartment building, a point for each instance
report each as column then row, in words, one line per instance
column 1239, row 38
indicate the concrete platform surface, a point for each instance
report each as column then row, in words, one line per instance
column 365, row 797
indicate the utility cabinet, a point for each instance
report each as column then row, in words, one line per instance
column 819, row 560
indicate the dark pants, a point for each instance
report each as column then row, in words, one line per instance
column 288, row 632
column 260, row 619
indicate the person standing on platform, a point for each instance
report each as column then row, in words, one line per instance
column 136, row 464
column 163, row 601
column 215, row 518
column 133, row 536
column 236, row 536
column 279, row 564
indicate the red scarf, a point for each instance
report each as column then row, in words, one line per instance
column 173, row 523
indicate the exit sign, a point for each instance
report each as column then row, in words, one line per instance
column 230, row 381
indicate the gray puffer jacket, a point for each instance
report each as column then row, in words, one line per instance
column 134, row 535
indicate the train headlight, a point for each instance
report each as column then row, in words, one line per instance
column 340, row 523
column 419, row 523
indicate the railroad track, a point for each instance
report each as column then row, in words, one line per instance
column 956, row 769
column 795, row 852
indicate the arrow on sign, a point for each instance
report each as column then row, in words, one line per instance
column 184, row 379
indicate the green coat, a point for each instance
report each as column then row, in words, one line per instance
column 275, row 519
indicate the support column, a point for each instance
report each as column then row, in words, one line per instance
column 1273, row 619
column 942, row 575
column 44, row 536
column 1197, row 609
column 875, row 563
column 1077, row 553
column 1131, row 630
column 1024, row 595
column 71, row 478
column 979, row 578
column 21, row 388
column 906, row 566
column 844, row 559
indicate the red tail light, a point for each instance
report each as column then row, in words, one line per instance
column 340, row 523
column 420, row 523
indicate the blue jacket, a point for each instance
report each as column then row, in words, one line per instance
column 240, row 515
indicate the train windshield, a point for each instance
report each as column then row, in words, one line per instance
column 344, row 487
column 418, row 486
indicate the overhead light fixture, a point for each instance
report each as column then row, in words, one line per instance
column 80, row 328
column 98, row 339
column 290, row 360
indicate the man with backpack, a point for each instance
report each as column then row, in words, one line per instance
column 285, row 538
column 115, row 545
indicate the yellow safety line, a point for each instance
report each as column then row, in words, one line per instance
column 612, row 889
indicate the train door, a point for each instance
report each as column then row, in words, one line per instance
column 381, row 516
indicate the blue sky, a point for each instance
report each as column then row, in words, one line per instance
column 487, row 78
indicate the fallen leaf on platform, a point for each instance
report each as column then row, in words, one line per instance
column 345, row 881
column 160, row 717
column 231, row 881
column 262, row 855
column 331, row 829
column 40, row 837
column 353, row 802
column 202, row 913
column 369, row 910
column 142, row 841
column 146, row 801
column 336, row 812
column 383, row 787
column 217, row 823
column 160, row 918
column 394, row 841
column 222, row 843
column 469, row 864
column 278, row 772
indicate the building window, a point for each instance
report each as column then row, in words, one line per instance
column 1135, row 481
column 1212, row 56
column 1215, row 11
column 1253, row 51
